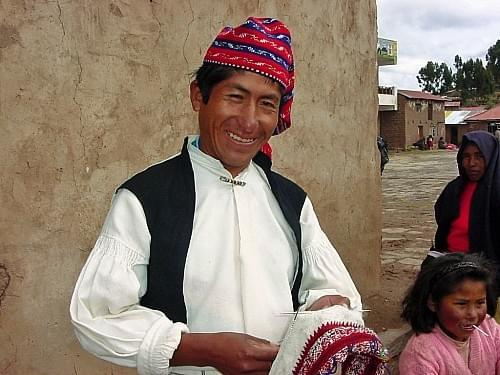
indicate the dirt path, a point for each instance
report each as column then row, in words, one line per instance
column 411, row 183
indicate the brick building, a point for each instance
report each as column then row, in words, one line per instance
column 418, row 114
column 488, row 120
column 457, row 125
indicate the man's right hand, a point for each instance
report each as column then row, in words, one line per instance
column 230, row 353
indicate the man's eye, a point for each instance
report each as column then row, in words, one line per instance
column 269, row 104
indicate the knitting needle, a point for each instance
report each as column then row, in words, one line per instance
column 310, row 312
column 480, row 330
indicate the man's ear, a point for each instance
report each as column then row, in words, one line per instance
column 195, row 96
column 431, row 304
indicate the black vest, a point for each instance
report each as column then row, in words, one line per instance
column 167, row 194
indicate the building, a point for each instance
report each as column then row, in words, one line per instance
column 94, row 91
column 417, row 115
column 456, row 123
column 387, row 54
column 488, row 120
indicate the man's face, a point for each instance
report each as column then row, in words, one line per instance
column 239, row 118
column 473, row 162
column 460, row 310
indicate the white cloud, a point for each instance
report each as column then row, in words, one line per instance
column 435, row 30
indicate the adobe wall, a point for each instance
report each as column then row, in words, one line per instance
column 392, row 126
column 93, row 91
column 417, row 114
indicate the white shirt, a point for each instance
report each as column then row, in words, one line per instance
column 239, row 271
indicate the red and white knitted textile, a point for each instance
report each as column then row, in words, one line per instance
column 330, row 341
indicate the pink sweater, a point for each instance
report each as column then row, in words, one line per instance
column 433, row 354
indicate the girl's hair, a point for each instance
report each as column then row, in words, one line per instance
column 439, row 278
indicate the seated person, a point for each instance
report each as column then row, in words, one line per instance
column 441, row 143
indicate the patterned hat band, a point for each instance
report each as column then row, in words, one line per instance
column 262, row 46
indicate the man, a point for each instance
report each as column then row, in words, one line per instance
column 200, row 255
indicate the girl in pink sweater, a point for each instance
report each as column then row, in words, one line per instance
column 450, row 308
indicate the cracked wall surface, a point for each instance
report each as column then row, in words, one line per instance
column 93, row 91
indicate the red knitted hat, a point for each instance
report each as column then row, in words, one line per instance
column 261, row 45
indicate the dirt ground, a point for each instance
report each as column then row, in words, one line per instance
column 411, row 183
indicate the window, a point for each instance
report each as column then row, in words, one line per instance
column 429, row 111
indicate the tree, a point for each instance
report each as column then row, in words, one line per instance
column 446, row 78
column 475, row 82
column 427, row 77
column 472, row 79
column 493, row 59
column 482, row 79
column 435, row 78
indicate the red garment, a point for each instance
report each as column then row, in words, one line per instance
column 267, row 150
column 458, row 236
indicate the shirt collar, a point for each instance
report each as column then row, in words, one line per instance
column 210, row 163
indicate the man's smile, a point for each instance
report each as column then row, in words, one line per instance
column 240, row 139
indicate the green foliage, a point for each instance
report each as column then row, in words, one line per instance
column 493, row 58
column 435, row 78
column 475, row 82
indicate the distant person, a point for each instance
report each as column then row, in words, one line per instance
column 441, row 144
column 497, row 134
column 450, row 308
column 468, row 209
column 384, row 152
column 430, row 142
column 420, row 144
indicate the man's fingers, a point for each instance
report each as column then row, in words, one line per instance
column 266, row 351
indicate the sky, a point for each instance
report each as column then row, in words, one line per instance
column 435, row 30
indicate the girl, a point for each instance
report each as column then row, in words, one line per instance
column 450, row 308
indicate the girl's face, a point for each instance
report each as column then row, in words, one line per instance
column 459, row 311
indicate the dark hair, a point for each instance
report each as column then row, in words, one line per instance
column 209, row 74
column 439, row 278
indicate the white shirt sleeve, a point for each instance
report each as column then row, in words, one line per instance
column 324, row 273
column 105, row 310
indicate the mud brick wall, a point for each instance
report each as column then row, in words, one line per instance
column 93, row 91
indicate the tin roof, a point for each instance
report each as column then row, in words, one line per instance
column 410, row 94
column 491, row 114
column 456, row 117
column 459, row 117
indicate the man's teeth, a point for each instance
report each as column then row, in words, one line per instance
column 239, row 139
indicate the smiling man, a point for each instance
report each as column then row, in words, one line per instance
column 202, row 257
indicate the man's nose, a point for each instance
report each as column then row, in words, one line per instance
column 249, row 117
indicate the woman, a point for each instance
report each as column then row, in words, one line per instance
column 468, row 210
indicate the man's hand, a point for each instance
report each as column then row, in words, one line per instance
column 230, row 353
column 327, row 301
